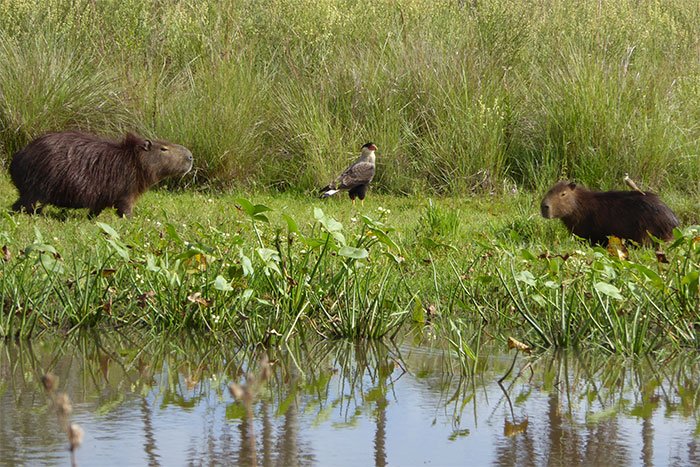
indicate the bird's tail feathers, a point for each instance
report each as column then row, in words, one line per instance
column 328, row 193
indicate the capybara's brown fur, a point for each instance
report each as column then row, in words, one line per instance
column 595, row 215
column 78, row 170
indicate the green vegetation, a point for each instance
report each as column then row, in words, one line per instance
column 459, row 96
column 265, row 269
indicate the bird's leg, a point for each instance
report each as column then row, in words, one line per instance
column 353, row 201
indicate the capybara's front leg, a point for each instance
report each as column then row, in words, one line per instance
column 94, row 213
column 124, row 208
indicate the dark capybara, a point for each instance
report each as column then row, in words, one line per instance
column 595, row 215
column 78, row 170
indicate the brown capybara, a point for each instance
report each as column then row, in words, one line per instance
column 78, row 170
column 595, row 215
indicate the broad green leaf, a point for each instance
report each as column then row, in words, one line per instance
column 246, row 264
column 261, row 217
column 608, row 290
column 313, row 242
column 37, row 235
column 254, row 211
column 151, row 263
column 267, row 255
column 261, row 208
column 380, row 231
column 50, row 263
column 539, row 299
column 527, row 255
column 114, row 241
column 108, row 229
column 172, row 233
column 271, row 258
column 41, row 248
column 189, row 253
column 692, row 280
column 246, row 205
column 331, row 225
column 119, row 247
column 291, row 224
column 649, row 274
column 355, row 253
column 526, row 277
column 554, row 265
column 222, row 284
column 418, row 314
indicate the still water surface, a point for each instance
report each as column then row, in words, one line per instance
column 166, row 402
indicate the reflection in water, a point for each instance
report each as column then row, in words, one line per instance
column 149, row 439
column 145, row 401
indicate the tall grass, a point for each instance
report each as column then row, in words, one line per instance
column 459, row 96
column 46, row 85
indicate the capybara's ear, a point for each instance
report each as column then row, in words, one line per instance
column 572, row 185
column 146, row 145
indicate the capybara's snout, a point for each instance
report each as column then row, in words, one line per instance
column 189, row 160
column 544, row 210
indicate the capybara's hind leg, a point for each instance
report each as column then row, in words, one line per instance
column 27, row 205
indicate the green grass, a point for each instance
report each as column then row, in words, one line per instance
column 478, row 105
column 458, row 96
column 267, row 269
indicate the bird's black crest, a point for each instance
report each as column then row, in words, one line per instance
column 366, row 145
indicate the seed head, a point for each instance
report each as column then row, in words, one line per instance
column 265, row 369
column 50, row 381
column 75, row 436
column 236, row 391
column 63, row 404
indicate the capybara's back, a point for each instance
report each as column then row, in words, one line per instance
column 596, row 215
column 79, row 170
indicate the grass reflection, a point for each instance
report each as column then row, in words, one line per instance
column 560, row 405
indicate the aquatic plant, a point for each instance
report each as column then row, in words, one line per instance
column 268, row 273
column 599, row 298
column 272, row 285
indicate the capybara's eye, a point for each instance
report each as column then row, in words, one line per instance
column 163, row 148
column 563, row 193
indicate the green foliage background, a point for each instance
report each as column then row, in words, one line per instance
column 459, row 96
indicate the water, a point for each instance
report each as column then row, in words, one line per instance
column 166, row 402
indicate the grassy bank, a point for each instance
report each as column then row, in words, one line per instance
column 262, row 269
column 459, row 96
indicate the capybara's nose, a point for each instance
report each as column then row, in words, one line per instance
column 544, row 209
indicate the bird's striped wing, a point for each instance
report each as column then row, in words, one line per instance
column 360, row 173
